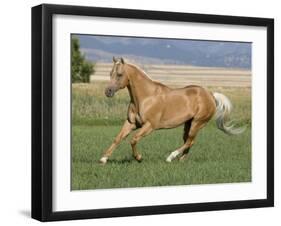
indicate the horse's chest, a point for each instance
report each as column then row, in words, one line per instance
column 134, row 114
column 150, row 110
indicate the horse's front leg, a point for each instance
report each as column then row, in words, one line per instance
column 144, row 130
column 125, row 131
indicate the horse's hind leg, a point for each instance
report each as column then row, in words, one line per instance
column 195, row 126
column 186, row 130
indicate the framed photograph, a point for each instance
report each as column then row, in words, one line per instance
column 145, row 112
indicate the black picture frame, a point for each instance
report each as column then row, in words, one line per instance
column 42, row 107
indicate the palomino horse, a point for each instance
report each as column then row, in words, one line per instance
column 155, row 106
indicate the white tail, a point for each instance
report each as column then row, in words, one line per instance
column 223, row 109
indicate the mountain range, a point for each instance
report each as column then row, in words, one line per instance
column 167, row 51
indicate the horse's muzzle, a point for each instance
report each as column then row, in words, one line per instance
column 109, row 91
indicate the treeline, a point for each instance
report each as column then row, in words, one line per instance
column 81, row 69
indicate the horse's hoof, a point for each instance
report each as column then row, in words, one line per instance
column 103, row 160
column 138, row 158
column 168, row 160
column 183, row 157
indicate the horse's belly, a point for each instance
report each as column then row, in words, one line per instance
column 167, row 112
column 177, row 111
column 173, row 117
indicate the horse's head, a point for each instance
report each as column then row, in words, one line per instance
column 118, row 77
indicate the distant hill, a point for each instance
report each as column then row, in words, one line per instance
column 163, row 51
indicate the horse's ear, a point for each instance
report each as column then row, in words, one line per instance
column 122, row 60
column 114, row 59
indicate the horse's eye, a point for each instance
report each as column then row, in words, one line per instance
column 119, row 74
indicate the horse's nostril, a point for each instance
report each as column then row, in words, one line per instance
column 109, row 92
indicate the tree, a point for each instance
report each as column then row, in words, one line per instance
column 81, row 69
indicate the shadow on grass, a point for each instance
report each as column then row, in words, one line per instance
column 121, row 161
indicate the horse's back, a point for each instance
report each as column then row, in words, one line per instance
column 198, row 99
column 197, row 90
column 191, row 91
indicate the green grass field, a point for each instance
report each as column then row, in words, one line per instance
column 96, row 120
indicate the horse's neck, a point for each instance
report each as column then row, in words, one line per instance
column 140, row 86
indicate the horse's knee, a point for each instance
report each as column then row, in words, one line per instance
column 116, row 140
column 134, row 141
